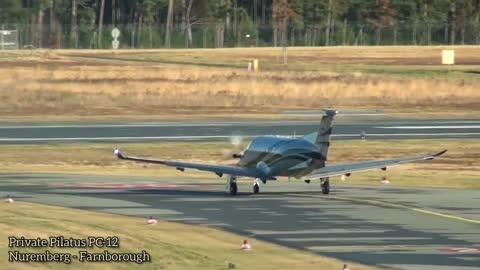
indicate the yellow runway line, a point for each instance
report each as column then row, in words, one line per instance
column 392, row 205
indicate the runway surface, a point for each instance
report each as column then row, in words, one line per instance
column 344, row 128
column 403, row 228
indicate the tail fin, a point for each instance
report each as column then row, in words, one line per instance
column 322, row 137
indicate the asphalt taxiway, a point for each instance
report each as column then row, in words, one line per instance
column 398, row 227
column 344, row 128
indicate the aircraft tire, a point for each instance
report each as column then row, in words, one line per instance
column 232, row 189
column 326, row 187
column 256, row 188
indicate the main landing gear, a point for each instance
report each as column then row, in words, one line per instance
column 256, row 188
column 325, row 185
column 232, row 185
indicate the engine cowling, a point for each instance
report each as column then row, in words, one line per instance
column 263, row 169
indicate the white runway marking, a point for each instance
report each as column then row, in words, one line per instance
column 351, row 239
column 431, row 127
column 261, row 222
column 163, row 124
column 457, row 122
column 115, row 125
column 415, row 134
column 317, row 231
column 208, row 124
column 113, row 138
column 208, row 137
column 361, row 248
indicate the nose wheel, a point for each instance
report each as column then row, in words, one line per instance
column 256, row 186
column 325, row 185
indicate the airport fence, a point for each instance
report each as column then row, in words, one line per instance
column 340, row 33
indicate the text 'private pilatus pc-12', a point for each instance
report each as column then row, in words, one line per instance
column 269, row 157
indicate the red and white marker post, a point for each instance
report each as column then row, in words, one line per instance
column 151, row 221
column 8, row 199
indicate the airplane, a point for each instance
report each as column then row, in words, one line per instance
column 268, row 157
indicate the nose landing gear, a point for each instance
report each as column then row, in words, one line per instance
column 256, row 186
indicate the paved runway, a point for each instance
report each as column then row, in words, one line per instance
column 404, row 228
column 345, row 128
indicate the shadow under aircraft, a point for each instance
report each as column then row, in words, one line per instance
column 268, row 157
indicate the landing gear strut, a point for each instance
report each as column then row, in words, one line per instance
column 232, row 185
column 325, row 185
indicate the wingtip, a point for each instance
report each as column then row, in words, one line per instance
column 440, row 153
column 118, row 153
column 433, row 156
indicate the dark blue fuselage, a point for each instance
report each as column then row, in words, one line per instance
column 282, row 156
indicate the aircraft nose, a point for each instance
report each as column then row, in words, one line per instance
column 263, row 168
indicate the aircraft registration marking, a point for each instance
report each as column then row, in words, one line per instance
column 433, row 127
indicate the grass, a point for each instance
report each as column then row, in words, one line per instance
column 156, row 83
column 171, row 245
column 300, row 58
column 459, row 168
column 408, row 61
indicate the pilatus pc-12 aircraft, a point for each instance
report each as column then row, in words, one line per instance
column 269, row 157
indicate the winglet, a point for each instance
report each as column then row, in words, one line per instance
column 118, row 153
column 432, row 156
column 440, row 153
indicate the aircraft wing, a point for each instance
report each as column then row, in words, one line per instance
column 342, row 169
column 179, row 165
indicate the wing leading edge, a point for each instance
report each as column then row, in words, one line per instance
column 341, row 169
column 179, row 165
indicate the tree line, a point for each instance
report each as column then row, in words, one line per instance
column 230, row 23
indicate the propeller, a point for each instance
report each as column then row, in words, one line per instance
column 236, row 140
column 235, row 151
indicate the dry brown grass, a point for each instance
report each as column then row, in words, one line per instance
column 391, row 55
column 122, row 90
column 52, row 84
